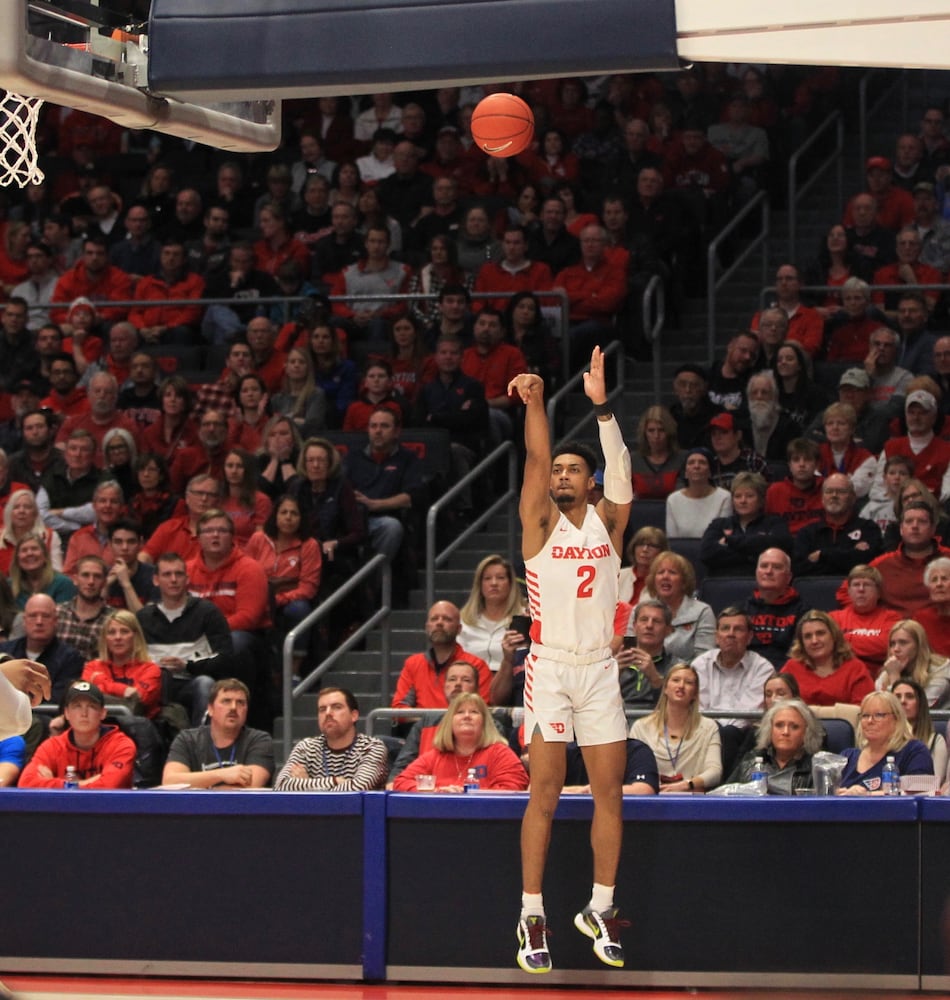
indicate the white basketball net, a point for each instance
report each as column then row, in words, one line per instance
column 18, row 115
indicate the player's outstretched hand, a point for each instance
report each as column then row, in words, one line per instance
column 595, row 385
column 30, row 677
column 527, row 385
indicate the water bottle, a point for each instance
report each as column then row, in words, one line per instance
column 71, row 780
column 759, row 777
column 471, row 780
column 890, row 777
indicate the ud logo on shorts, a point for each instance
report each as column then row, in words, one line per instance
column 558, row 727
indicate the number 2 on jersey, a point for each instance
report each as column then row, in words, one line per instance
column 585, row 575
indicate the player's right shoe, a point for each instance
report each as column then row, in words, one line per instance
column 604, row 929
column 533, row 954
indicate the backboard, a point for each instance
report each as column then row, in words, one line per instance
column 80, row 55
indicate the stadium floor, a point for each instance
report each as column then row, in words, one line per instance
column 62, row 987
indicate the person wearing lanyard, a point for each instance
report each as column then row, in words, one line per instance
column 686, row 745
column 226, row 752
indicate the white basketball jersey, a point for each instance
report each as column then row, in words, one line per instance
column 572, row 586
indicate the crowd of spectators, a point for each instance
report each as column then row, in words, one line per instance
column 170, row 483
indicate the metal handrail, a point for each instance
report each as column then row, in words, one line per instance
column 767, row 294
column 382, row 714
column 289, row 691
column 614, row 396
column 434, row 559
column 759, row 242
column 654, row 298
column 833, row 159
column 287, row 300
column 865, row 113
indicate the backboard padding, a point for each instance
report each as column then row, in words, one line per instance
column 301, row 48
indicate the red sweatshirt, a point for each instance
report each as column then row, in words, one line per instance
column 112, row 758
column 298, row 566
column 143, row 675
column 238, row 574
column 503, row 769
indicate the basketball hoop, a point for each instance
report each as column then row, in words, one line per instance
column 18, row 161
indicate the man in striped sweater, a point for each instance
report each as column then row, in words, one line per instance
column 339, row 759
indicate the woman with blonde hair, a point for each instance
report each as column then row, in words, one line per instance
column 840, row 453
column 466, row 739
column 640, row 552
column 672, row 580
column 280, row 444
column 31, row 572
column 21, row 517
column 124, row 671
column 909, row 656
column 300, row 398
column 822, row 662
column 786, row 739
column 686, row 745
column 486, row 615
column 657, row 460
column 883, row 732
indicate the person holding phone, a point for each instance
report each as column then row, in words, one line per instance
column 486, row 615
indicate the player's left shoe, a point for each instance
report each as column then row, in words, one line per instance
column 604, row 929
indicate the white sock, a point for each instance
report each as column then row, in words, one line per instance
column 532, row 904
column 602, row 897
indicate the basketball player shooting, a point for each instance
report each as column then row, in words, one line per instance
column 572, row 560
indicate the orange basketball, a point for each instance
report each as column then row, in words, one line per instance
column 502, row 125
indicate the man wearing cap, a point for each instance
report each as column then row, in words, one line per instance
column 929, row 453
column 101, row 753
column 805, row 325
column 692, row 409
column 730, row 457
column 895, row 206
column 906, row 270
column 727, row 381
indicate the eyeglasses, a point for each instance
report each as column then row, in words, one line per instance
column 876, row 716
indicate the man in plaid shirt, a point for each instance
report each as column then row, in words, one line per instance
column 81, row 619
